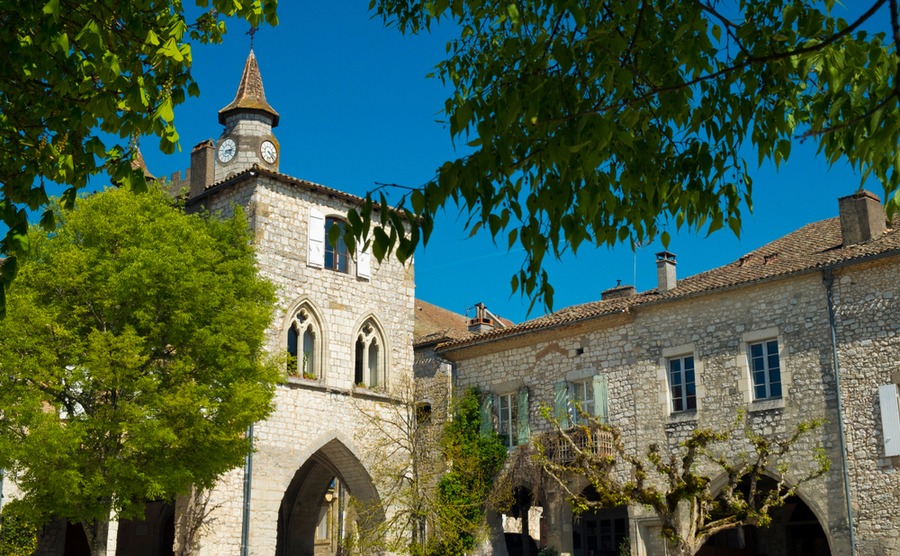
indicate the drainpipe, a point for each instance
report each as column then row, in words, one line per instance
column 248, row 474
column 828, row 280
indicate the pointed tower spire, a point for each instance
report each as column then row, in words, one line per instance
column 250, row 97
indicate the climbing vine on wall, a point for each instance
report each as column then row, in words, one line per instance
column 474, row 461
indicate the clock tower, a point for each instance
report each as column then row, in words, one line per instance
column 248, row 121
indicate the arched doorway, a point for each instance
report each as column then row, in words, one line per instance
column 315, row 516
column 602, row 532
column 794, row 531
column 522, row 524
column 154, row 535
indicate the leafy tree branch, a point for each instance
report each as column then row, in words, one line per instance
column 599, row 123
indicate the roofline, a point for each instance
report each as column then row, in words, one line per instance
column 284, row 178
column 470, row 343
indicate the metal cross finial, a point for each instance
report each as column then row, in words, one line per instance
column 252, row 32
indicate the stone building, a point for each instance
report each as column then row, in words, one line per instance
column 763, row 335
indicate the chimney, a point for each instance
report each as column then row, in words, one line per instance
column 862, row 217
column 618, row 292
column 482, row 321
column 202, row 167
column 665, row 271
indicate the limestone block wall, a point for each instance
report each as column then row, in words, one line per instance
column 867, row 307
column 716, row 329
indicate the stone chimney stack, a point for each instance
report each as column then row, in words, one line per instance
column 482, row 321
column 618, row 292
column 202, row 167
column 665, row 271
column 862, row 217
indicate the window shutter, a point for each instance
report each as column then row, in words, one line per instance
column 364, row 264
column 601, row 398
column 890, row 418
column 316, row 239
column 523, row 426
column 487, row 414
column 561, row 403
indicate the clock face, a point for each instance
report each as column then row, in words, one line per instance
column 227, row 150
column 268, row 151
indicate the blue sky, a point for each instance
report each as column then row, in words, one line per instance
column 357, row 109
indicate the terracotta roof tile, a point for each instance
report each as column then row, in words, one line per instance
column 250, row 94
column 434, row 324
column 812, row 247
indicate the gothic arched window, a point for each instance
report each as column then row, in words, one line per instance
column 303, row 346
column 369, row 357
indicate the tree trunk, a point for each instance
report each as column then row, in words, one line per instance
column 97, row 534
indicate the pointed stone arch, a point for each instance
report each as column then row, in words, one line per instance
column 330, row 458
column 305, row 337
column 815, row 540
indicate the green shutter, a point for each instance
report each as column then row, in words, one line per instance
column 601, row 398
column 487, row 413
column 523, row 426
column 561, row 403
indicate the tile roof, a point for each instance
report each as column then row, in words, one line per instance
column 250, row 94
column 813, row 247
column 434, row 324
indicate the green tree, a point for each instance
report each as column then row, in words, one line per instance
column 591, row 122
column 675, row 484
column 474, row 460
column 131, row 365
column 72, row 70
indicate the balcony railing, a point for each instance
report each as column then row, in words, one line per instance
column 591, row 440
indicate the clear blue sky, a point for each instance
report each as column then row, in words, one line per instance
column 356, row 109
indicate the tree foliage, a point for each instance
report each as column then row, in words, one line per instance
column 474, row 461
column 589, row 122
column 676, row 485
column 76, row 76
column 131, row 365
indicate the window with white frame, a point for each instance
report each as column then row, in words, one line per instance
column 507, row 419
column 682, row 383
column 322, row 254
column 582, row 396
column 369, row 368
column 303, row 346
column 508, row 415
column 336, row 257
column 765, row 369
column 589, row 393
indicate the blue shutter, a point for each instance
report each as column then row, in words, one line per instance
column 487, row 413
column 561, row 403
column 601, row 398
column 523, row 426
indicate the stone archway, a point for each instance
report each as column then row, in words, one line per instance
column 794, row 531
column 319, row 491
column 601, row 532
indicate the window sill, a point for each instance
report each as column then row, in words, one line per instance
column 766, row 405
column 682, row 417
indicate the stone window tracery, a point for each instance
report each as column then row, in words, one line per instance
column 303, row 346
column 369, row 357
